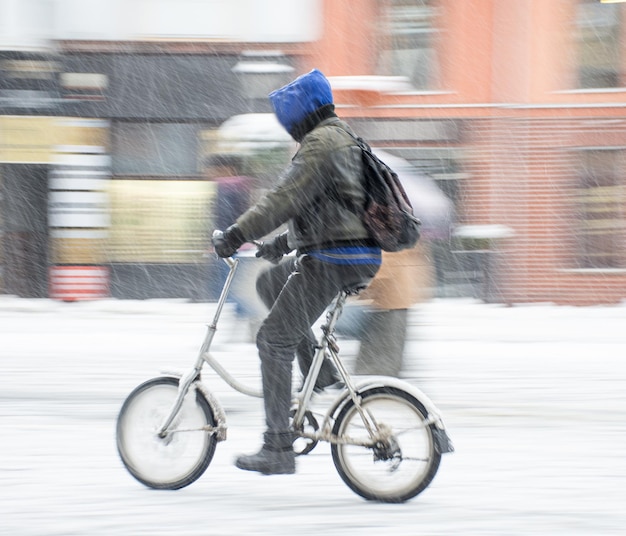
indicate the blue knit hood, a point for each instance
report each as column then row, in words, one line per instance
column 298, row 99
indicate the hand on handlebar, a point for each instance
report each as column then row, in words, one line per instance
column 226, row 243
column 274, row 249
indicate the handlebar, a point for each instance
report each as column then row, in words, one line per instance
column 230, row 260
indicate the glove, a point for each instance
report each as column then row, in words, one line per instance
column 274, row 249
column 226, row 243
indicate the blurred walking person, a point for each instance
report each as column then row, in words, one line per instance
column 405, row 279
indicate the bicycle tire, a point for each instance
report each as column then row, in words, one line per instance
column 180, row 458
column 398, row 470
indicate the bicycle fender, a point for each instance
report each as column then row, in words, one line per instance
column 443, row 442
column 214, row 404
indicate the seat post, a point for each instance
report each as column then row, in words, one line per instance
column 335, row 312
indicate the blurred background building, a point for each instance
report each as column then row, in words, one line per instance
column 516, row 111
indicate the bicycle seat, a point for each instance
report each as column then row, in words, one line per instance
column 355, row 289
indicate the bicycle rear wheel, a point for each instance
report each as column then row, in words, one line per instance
column 179, row 458
column 402, row 461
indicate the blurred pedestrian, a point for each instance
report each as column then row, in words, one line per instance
column 233, row 187
column 379, row 317
column 232, row 199
column 333, row 249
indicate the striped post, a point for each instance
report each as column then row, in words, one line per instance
column 78, row 212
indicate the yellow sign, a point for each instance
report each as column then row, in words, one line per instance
column 160, row 221
column 34, row 140
column 25, row 139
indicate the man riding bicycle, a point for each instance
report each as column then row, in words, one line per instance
column 333, row 251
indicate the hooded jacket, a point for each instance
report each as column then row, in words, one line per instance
column 298, row 100
column 323, row 179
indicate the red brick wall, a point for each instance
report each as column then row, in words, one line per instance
column 523, row 174
column 508, row 70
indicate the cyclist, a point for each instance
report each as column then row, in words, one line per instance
column 333, row 250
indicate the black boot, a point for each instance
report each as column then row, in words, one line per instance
column 276, row 456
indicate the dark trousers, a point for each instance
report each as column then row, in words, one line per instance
column 297, row 292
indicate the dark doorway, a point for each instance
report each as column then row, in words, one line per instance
column 24, row 207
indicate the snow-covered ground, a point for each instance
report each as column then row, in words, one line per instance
column 533, row 397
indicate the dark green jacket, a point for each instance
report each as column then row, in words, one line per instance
column 323, row 179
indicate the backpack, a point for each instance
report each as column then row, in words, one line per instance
column 388, row 214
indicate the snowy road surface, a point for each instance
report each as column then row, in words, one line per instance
column 533, row 397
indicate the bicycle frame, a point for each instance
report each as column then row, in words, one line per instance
column 327, row 346
column 205, row 357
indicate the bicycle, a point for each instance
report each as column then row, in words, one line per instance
column 386, row 436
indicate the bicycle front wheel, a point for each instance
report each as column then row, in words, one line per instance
column 400, row 460
column 179, row 458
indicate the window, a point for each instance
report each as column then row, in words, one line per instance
column 154, row 149
column 600, row 202
column 407, row 41
column 600, row 34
